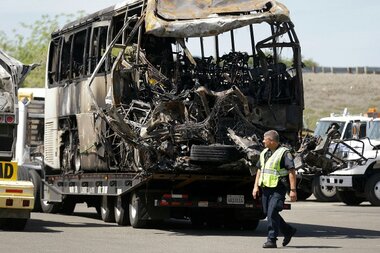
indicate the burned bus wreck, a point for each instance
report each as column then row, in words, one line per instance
column 171, row 87
column 159, row 105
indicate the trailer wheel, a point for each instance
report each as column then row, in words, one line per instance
column 121, row 211
column 136, row 207
column 106, row 209
column 349, row 198
column 372, row 189
column 36, row 180
column 323, row 193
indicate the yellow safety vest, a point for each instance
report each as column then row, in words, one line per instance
column 271, row 170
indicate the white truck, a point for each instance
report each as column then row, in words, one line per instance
column 359, row 179
column 16, row 191
column 309, row 169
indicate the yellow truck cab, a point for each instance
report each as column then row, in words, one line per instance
column 16, row 197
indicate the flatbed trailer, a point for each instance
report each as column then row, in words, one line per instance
column 161, row 196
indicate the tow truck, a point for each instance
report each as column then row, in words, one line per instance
column 309, row 168
column 359, row 179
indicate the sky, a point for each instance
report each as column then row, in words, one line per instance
column 339, row 33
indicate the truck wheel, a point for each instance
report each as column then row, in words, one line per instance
column 13, row 224
column 372, row 189
column 121, row 211
column 214, row 154
column 349, row 198
column 303, row 195
column 136, row 207
column 106, row 209
column 36, row 180
column 323, row 193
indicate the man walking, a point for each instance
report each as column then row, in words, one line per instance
column 275, row 175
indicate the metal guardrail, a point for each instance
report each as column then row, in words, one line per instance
column 343, row 70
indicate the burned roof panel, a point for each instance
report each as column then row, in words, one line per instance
column 195, row 9
column 171, row 18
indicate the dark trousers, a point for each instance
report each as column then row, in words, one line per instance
column 273, row 201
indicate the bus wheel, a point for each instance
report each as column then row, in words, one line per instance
column 106, row 209
column 36, row 180
column 121, row 211
column 136, row 207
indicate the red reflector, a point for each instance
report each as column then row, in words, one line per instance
column 10, row 119
column 9, row 202
column 164, row 203
column 14, row 191
column 25, row 203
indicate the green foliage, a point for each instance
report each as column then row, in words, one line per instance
column 31, row 45
column 309, row 63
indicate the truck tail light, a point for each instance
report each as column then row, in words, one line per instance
column 20, row 191
column 25, row 203
column 1, row 119
column 10, row 119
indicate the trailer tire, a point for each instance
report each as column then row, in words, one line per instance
column 121, row 209
column 372, row 189
column 349, row 198
column 136, row 207
column 217, row 154
column 322, row 193
column 36, row 180
column 106, row 209
column 68, row 206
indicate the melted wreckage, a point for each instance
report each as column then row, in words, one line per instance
column 169, row 109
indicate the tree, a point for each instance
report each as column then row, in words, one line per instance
column 31, row 45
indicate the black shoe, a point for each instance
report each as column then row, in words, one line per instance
column 270, row 245
column 287, row 238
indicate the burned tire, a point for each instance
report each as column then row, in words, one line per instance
column 372, row 189
column 107, row 209
column 121, row 209
column 349, row 198
column 216, row 154
column 136, row 209
column 323, row 193
column 36, row 180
